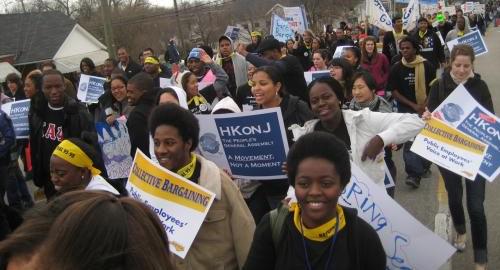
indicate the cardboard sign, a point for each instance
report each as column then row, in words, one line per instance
column 251, row 145
column 18, row 112
column 180, row 204
column 296, row 18
column 90, row 88
column 232, row 32
column 474, row 39
column 450, row 148
column 462, row 111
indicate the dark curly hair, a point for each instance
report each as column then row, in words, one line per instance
column 178, row 117
column 320, row 145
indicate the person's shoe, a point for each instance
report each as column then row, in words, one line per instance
column 427, row 173
column 413, row 181
column 480, row 266
column 459, row 243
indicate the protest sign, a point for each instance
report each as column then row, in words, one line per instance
column 180, row 204
column 449, row 148
column 339, row 51
column 405, row 240
column 115, row 145
column 90, row 88
column 474, row 39
column 388, row 180
column 378, row 16
column 18, row 112
column 165, row 82
column 451, row 10
column 280, row 29
column 462, row 111
column 411, row 15
column 313, row 75
column 296, row 18
column 251, row 145
column 232, row 32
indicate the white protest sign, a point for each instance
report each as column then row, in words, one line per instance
column 296, row 18
column 411, row 14
column 450, row 148
column 280, row 29
column 232, row 32
column 180, row 204
column 251, row 145
column 473, row 39
column 90, row 88
column 451, row 10
column 405, row 240
column 114, row 141
column 313, row 75
column 165, row 82
column 18, row 112
column 462, row 111
column 378, row 16
column 339, row 51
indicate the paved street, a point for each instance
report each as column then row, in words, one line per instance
column 424, row 203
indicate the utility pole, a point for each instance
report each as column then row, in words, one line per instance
column 179, row 29
column 108, row 30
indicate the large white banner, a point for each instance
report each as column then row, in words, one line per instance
column 411, row 15
column 378, row 16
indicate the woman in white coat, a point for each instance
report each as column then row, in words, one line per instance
column 364, row 132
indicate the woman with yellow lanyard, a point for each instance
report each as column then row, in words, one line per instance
column 316, row 232
column 72, row 167
column 225, row 236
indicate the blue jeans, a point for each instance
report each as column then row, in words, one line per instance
column 475, row 191
column 415, row 165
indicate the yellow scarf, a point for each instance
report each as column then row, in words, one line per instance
column 323, row 232
column 199, row 99
column 220, row 59
column 73, row 154
column 421, row 34
column 460, row 33
column 420, row 87
column 188, row 170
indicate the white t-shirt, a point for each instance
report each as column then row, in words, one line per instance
column 98, row 183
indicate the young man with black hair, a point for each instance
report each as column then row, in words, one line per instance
column 409, row 82
column 289, row 66
column 141, row 95
column 431, row 47
column 392, row 38
column 52, row 121
column 126, row 63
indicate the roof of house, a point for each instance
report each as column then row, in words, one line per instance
column 33, row 37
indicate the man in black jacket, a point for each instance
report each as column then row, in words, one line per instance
column 52, row 118
column 289, row 66
column 141, row 95
column 126, row 64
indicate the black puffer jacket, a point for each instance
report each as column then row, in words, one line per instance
column 137, row 123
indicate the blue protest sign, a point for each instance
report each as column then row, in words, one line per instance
column 280, row 29
column 18, row 112
column 251, row 145
column 474, row 39
column 90, row 88
column 463, row 112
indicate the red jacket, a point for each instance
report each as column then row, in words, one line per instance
column 379, row 68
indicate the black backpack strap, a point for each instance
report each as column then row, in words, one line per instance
column 277, row 218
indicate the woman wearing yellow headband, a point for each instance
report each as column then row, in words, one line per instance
column 316, row 233
column 72, row 167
